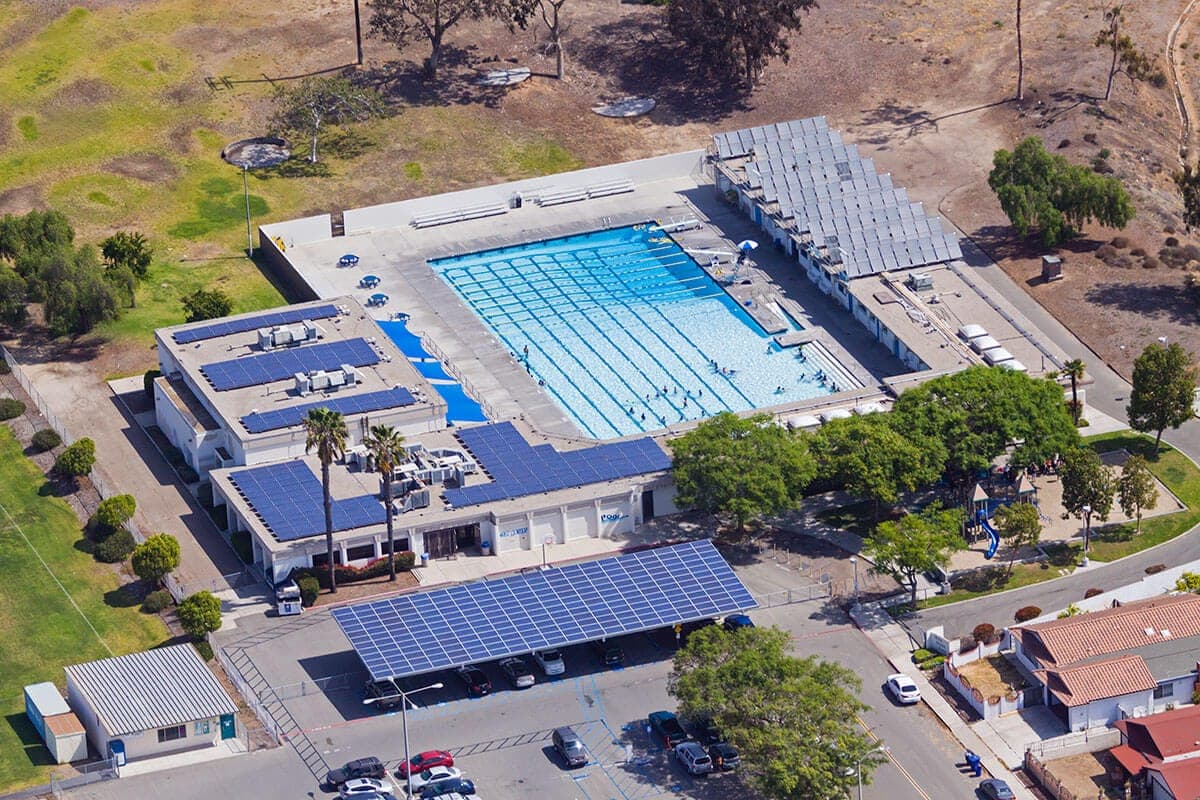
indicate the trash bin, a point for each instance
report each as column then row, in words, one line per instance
column 516, row 201
column 424, row 559
column 485, row 547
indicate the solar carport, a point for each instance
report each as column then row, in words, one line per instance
column 556, row 607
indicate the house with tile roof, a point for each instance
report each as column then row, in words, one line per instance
column 1161, row 753
column 1126, row 661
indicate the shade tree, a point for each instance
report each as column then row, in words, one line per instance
column 914, row 544
column 1164, row 390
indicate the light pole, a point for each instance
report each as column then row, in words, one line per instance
column 858, row 765
column 404, row 724
column 1087, row 531
column 854, row 562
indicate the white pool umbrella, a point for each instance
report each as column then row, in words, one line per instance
column 747, row 245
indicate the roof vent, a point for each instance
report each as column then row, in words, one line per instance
column 1166, row 633
column 1148, row 631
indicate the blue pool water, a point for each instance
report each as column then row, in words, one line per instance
column 626, row 331
column 460, row 407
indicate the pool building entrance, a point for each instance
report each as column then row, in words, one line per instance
column 627, row 333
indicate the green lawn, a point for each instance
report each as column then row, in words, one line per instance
column 41, row 628
column 1176, row 472
column 989, row 580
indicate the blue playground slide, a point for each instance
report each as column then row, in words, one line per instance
column 993, row 535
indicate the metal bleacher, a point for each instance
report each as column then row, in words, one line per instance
column 554, row 198
column 459, row 215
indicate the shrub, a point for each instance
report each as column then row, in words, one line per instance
column 1196, row 697
column 920, row 654
column 156, row 601
column 1155, row 568
column 77, row 460
column 1150, row 262
column 932, row 663
column 1092, row 593
column 1171, row 242
column 966, row 644
column 115, row 511
column 1027, row 613
column 1106, row 253
column 46, row 439
column 200, row 614
column 309, row 589
column 1064, row 143
column 347, row 574
column 116, row 547
column 984, row 632
column 156, row 557
column 1105, row 153
column 1119, row 242
column 148, row 382
column 204, row 649
column 1138, row 252
column 11, row 408
column 1090, row 137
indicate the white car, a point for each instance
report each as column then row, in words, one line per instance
column 903, row 689
column 423, row 779
column 693, row 758
column 364, row 787
column 551, row 662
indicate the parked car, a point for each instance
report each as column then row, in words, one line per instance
column 996, row 789
column 364, row 787
column 903, row 688
column 518, row 672
column 610, row 655
column 369, row 767
column 458, row 796
column 433, row 775
column 693, row 758
column 476, row 681
column 383, row 695
column 460, row 786
column 705, row 731
column 724, row 756
column 570, row 747
column 423, row 761
column 735, row 622
column 551, row 662
column 666, row 727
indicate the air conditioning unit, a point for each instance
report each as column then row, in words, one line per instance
column 349, row 376
column 319, row 381
column 919, row 281
column 303, row 384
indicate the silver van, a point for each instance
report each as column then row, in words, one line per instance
column 570, row 747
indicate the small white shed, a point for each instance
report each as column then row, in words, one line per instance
column 61, row 730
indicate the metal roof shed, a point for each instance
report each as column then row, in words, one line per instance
column 154, row 702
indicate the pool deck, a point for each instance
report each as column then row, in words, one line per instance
column 494, row 375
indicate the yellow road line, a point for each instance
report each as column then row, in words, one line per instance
column 908, row 777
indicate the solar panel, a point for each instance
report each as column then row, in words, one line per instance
column 231, row 326
column 262, row 421
column 253, row 370
column 288, row 499
column 417, row 633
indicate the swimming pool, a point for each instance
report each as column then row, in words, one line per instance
column 627, row 333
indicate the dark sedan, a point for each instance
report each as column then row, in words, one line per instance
column 369, row 767
column 476, row 681
column 609, row 654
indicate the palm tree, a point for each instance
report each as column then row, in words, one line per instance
column 387, row 446
column 1074, row 370
column 326, row 433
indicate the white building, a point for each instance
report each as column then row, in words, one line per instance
column 151, row 703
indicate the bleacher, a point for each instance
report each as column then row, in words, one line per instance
column 558, row 197
column 459, row 215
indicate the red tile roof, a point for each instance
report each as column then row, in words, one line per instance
column 1181, row 777
column 1162, row 736
column 1077, row 686
column 1133, row 761
column 1062, row 642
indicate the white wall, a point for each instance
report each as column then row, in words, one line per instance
column 145, row 743
column 1106, row 711
column 300, row 231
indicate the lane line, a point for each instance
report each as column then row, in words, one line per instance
column 907, row 776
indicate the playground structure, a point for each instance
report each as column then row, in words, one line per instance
column 1002, row 492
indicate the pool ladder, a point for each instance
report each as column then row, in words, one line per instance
column 606, row 222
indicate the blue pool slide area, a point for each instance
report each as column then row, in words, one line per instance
column 993, row 534
column 460, row 407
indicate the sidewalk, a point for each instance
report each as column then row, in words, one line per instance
column 225, row 749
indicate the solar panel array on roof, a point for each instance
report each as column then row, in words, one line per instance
column 253, row 370
column 518, row 469
column 830, row 193
column 288, row 499
column 231, row 326
column 262, row 421
column 417, row 633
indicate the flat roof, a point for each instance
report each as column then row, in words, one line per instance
column 555, row 607
column 155, row 689
column 223, row 360
column 928, row 320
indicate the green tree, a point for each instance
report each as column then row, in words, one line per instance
column 1042, row 190
column 129, row 250
column 1164, row 385
column 400, row 22
column 77, row 459
column 205, row 304
column 1188, row 582
column 977, row 412
column 1188, row 183
column 1126, row 58
column 792, row 719
column 27, row 239
column 13, row 310
column 1136, row 490
column 124, row 285
column 115, row 511
column 740, row 468
column 914, row 544
column 386, row 444
column 737, row 36
column 76, row 297
column 872, row 459
column 304, row 108
column 325, row 432
column 155, row 558
column 1071, row 610
column 1073, row 369
column 200, row 614
column 1088, row 489
column 1019, row 526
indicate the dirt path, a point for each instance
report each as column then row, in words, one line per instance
column 1184, row 101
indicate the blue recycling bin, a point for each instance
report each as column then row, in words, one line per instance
column 424, row 559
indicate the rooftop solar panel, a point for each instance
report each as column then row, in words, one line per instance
column 262, row 421
column 417, row 633
column 287, row 497
column 277, row 365
column 270, row 320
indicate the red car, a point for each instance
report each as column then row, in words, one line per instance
column 423, row 761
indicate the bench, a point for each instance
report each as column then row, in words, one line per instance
column 610, row 188
column 562, row 196
column 459, row 215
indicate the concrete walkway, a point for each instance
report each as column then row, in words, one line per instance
column 224, row 749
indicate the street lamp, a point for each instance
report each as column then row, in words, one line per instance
column 854, row 562
column 404, row 724
column 1087, row 531
column 858, row 765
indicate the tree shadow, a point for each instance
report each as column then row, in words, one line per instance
column 56, row 486
column 644, row 59
column 404, row 82
column 127, row 595
column 1161, row 301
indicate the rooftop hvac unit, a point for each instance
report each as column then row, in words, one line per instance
column 349, row 376
column 310, row 329
column 319, row 380
column 303, row 384
column 281, row 336
column 335, row 379
column 920, row 281
column 265, row 342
